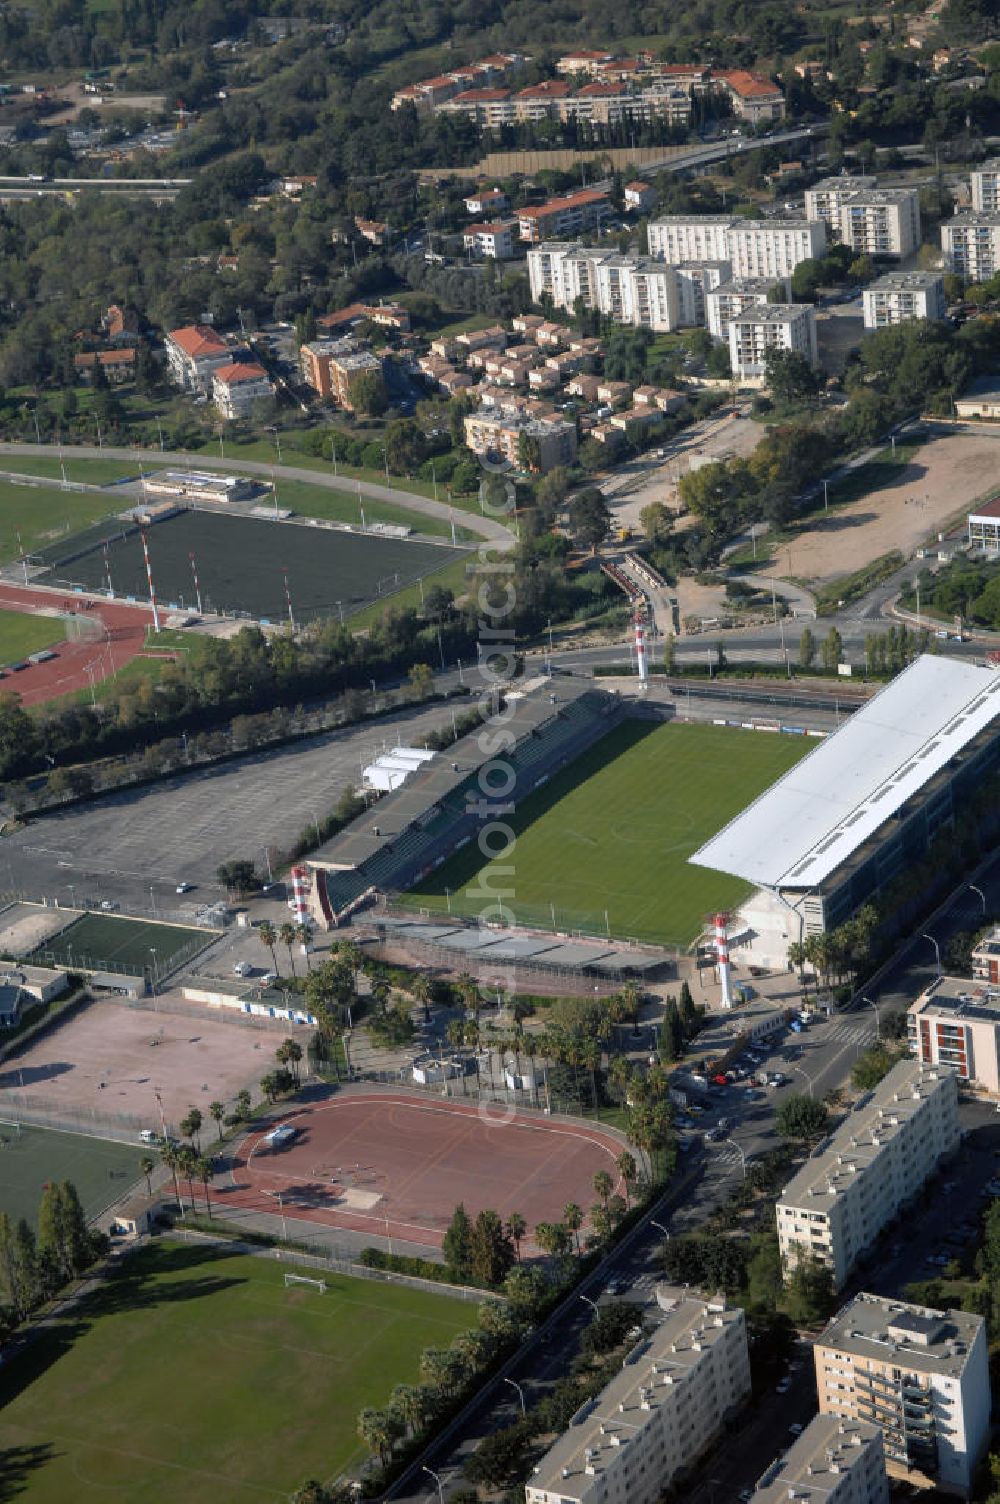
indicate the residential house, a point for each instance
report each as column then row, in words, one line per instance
column 118, row 365
column 639, row 197
column 236, row 387
column 494, row 241
column 194, row 353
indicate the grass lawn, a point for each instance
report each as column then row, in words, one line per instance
column 42, row 515
column 453, row 576
column 612, row 833
column 90, row 472
column 100, row 1170
column 195, row 1375
column 96, row 941
column 22, row 633
column 347, row 506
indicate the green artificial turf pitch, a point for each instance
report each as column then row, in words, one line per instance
column 39, row 515
column 612, row 834
column 106, row 941
column 194, row 1375
column 100, row 1169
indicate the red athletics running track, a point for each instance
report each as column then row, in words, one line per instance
column 421, row 1157
column 122, row 639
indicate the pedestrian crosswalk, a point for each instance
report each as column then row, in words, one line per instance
column 852, row 1033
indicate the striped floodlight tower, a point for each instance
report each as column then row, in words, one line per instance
column 640, row 647
column 197, row 587
column 722, row 957
column 300, row 881
column 288, row 598
column 149, row 577
column 107, row 571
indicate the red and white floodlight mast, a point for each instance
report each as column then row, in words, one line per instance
column 300, row 881
column 197, row 586
column 149, row 577
column 640, row 647
column 722, row 957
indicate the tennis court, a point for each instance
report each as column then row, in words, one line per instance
column 396, row 1163
column 101, row 1170
column 243, row 564
column 110, row 942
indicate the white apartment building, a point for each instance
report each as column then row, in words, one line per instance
column 769, row 326
column 832, row 1462
column 655, row 1417
column 899, row 296
column 774, row 247
column 971, row 245
column 922, row 1376
column 881, row 222
column 698, row 237
column 695, row 280
column 957, row 1023
column 193, row 353
column 632, row 290
column 986, row 187
column 869, row 1168
column 727, row 299
column 823, row 199
column 525, row 442
column 495, row 240
column 236, row 387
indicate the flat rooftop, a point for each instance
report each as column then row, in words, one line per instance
column 631, row 1398
column 905, row 282
column 960, row 997
column 863, row 1135
column 816, row 1461
column 816, row 816
column 925, row 1340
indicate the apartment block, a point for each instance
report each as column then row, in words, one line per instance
column 899, row 296
column 635, row 290
column 957, row 1023
column 494, row 240
column 769, row 326
column 881, row 222
column 774, row 247
column 869, row 1168
column 986, row 187
column 695, row 280
column 986, row 955
column 732, row 297
column 700, row 237
column 573, row 214
column 922, row 1376
column 832, row 1462
column 330, row 365
column 236, row 387
column 657, row 1416
column 824, row 199
column 754, row 98
column 525, row 442
column 970, row 243
column 193, row 353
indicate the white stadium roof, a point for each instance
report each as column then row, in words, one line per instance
column 813, row 818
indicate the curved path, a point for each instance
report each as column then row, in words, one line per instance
column 484, row 527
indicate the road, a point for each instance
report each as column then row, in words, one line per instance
column 484, row 527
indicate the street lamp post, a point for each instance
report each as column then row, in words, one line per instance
column 805, row 1076
column 743, row 1158
column 591, row 1303
column 878, row 1021
column 437, row 1479
column 660, row 1228
column 520, row 1393
column 937, row 951
column 980, row 895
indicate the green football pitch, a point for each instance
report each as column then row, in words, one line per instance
column 99, row 942
column 194, row 1374
column 100, row 1169
column 603, row 847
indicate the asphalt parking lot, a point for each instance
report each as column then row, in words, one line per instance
column 117, row 848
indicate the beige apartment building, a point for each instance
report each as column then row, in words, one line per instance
column 832, row 1462
column 733, row 296
column 986, row 186
column 867, row 1170
column 970, row 243
column 657, row 1416
column 881, row 222
column 900, row 296
column 824, row 199
column 330, row 365
column 695, row 237
column 774, row 247
column 921, row 1375
column 957, row 1023
column 762, row 327
column 510, row 435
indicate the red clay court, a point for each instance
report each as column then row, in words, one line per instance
column 391, row 1163
column 119, row 636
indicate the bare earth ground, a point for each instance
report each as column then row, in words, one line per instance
column 944, row 475
column 24, row 927
column 196, row 1060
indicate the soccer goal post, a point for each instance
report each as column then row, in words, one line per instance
column 304, row 1279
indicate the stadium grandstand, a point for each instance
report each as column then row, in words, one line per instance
column 864, row 805
column 412, row 829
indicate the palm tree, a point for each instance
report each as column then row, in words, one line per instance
column 410, row 1401
column 373, row 1429
column 268, row 936
column 171, row 1158
column 217, row 1111
column 187, row 1164
column 303, row 935
column 573, row 1218
column 191, row 1127
column 146, row 1167
column 203, row 1170
column 421, row 991
column 286, row 934
column 603, row 1185
column 516, row 1229
column 629, row 1172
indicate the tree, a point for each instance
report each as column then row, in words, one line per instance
column 870, row 1067
column 800, row 1117
column 589, row 518
column 656, row 521
column 499, row 1460
column 457, row 1246
column 268, row 936
column 764, row 1280
column 64, row 1245
column 809, row 1291
column 516, row 1229
column 807, row 650
column 146, row 1168
column 628, row 1170
column 366, row 394
column 789, row 375
column 18, row 1266
column 671, row 1033
column 421, row 677
column 573, row 1218
column 191, row 1126
column 554, row 1238
column 603, row 1185
column 491, row 1250
column 376, row 1432
column 217, row 1112
column 203, row 1171
column 289, row 1053
column 238, row 877
column 286, row 936
column 832, row 650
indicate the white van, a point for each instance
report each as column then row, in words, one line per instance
column 148, row 1136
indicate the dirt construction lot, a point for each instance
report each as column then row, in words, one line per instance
column 108, row 1059
column 944, row 475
